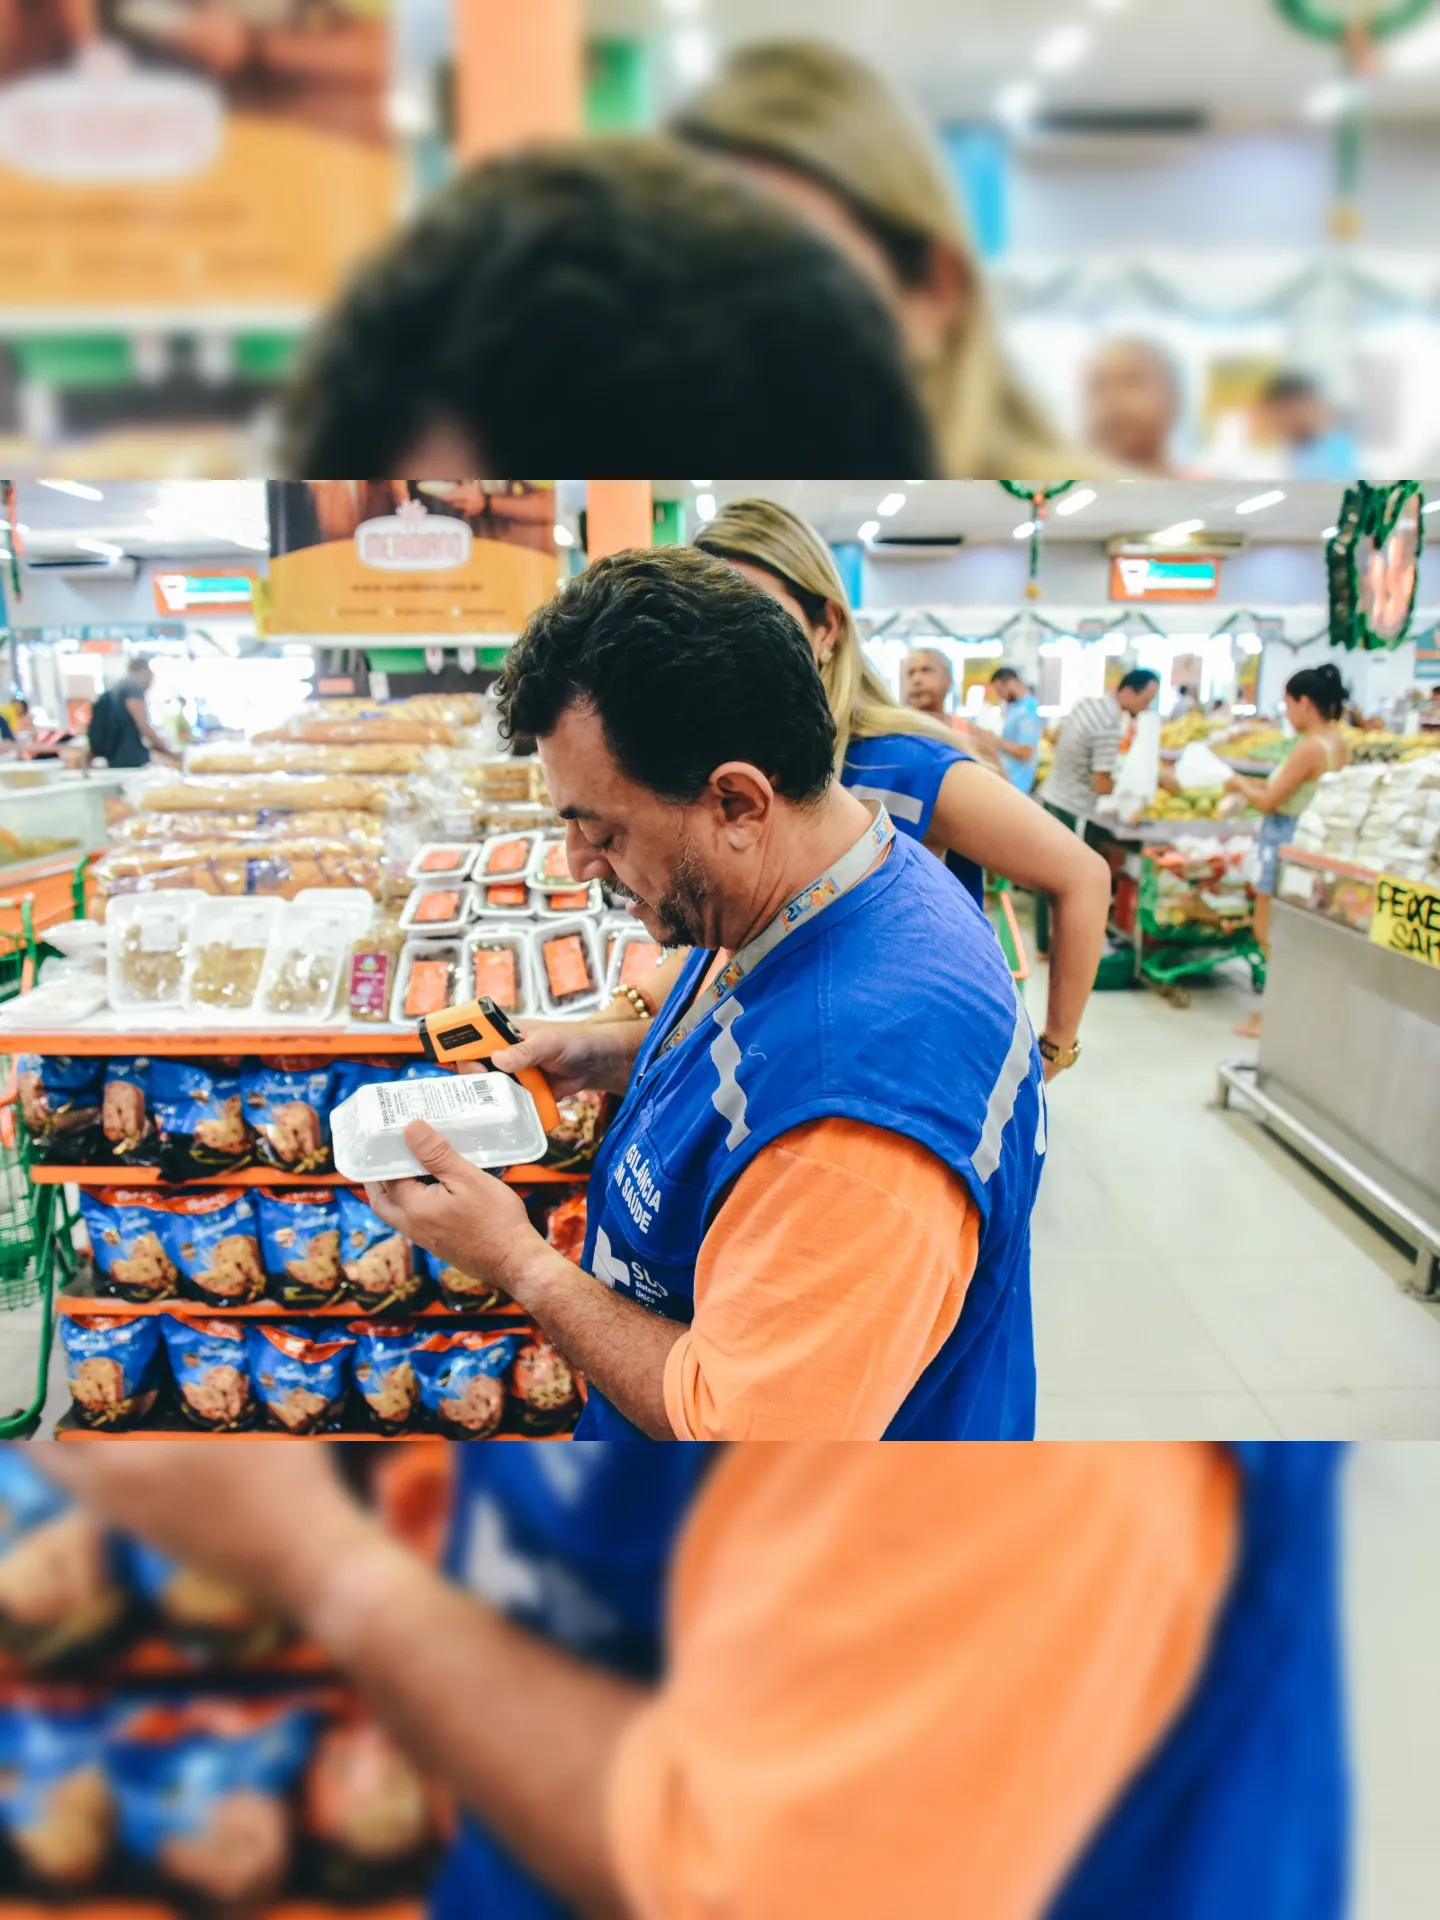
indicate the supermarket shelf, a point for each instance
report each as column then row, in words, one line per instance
column 68, row 1428
column 180, row 1042
column 73, row 1301
column 1143, row 832
column 98, row 1907
column 57, row 1176
column 1327, row 863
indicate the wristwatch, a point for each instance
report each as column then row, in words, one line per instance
column 1058, row 1056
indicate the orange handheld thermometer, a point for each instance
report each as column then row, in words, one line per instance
column 474, row 1032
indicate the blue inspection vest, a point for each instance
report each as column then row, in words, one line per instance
column 1242, row 1809
column 903, row 772
column 573, row 1542
column 894, row 1007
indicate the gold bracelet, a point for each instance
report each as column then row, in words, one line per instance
column 635, row 999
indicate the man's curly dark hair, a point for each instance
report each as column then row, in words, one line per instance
column 619, row 308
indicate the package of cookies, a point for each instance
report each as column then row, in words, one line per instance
column 287, row 1106
column 462, row 1380
column 569, row 975
column 384, row 1369
column 127, row 1121
column 544, row 1395
column 207, row 1618
column 131, row 1231
column 225, row 958
column 566, row 1225
column 463, row 1292
column 56, row 1811
column 427, row 981
column 112, row 1366
column 380, row 1266
column 300, row 1375
column 208, row 1366
column 370, row 1819
column 145, row 946
column 215, row 1239
column 300, row 1244
column 200, row 1115
column 60, row 1589
column 203, row 1788
column 60, row 1099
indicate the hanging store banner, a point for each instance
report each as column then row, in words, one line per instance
column 409, row 556
column 1164, row 576
column 188, row 155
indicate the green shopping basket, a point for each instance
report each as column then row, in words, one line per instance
column 36, row 1255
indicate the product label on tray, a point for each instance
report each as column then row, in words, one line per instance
column 453, row 1098
column 160, row 932
column 248, row 932
column 370, row 984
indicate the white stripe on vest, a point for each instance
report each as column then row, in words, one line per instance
column 900, row 806
column 728, row 1098
column 1001, row 1104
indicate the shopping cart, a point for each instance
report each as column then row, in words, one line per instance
column 1181, row 935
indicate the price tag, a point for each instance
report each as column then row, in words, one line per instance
column 1407, row 918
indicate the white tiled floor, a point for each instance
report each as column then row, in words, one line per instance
column 1191, row 1276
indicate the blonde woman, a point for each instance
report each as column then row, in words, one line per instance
column 823, row 132
column 935, row 792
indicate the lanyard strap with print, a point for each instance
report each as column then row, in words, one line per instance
column 847, row 872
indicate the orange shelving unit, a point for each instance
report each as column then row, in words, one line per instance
column 56, row 1176
column 202, row 1042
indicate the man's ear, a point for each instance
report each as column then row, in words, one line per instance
column 743, row 800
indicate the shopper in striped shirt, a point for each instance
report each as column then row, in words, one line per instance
column 1086, row 755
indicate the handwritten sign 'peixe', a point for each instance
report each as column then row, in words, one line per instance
column 1407, row 918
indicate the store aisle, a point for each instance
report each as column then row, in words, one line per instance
column 1192, row 1278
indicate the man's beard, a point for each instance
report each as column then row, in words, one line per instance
column 681, row 908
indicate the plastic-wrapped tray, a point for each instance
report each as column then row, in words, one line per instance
column 417, row 919
column 353, row 904
column 630, row 957
column 549, row 866
column 305, row 962
column 570, row 900
column 229, row 939
column 505, row 900
column 488, row 1118
column 489, row 980
column 505, row 856
column 145, row 940
column 442, row 990
column 569, row 973
column 443, row 860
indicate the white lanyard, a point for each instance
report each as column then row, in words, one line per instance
column 847, row 872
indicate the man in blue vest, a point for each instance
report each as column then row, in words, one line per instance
column 1075, row 1682
column 811, row 1215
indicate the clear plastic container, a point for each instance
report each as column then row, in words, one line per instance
column 406, row 1008
column 570, row 900
column 67, row 1002
column 145, row 942
column 416, row 916
column 355, row 906
column 229, row 940
column 568, row 970
column 488, row 1118
column 443, row 860
column 505, row 857
column 483, row 970
column 549, row 869
column 370, row 978
column 305, row 963
column 631, row 957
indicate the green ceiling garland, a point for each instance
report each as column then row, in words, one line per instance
column 1038, row 499
column 1370, row 518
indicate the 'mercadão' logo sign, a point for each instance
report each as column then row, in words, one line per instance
column 411, row 540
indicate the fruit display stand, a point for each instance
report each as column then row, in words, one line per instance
column 1348, row 1071
column 51, row 1269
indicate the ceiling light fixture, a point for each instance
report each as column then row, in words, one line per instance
column 705, row 506
column 1063, row 49
column 563, row 536
column 1076, row 502
column 1024, row 530
column 1432, row 507
column 1329, row 533
column 1331, row 99
column 868, row 530
column 701, row 485
column 1181, row 530
column 73, row 488
column 692, row 53
column 1414, row 52
column 1016, row 103
column 1259, row 501
column 892, row 503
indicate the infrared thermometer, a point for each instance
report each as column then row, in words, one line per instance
column 474, row 1032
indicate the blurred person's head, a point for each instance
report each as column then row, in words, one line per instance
column 623, row 308
column 682, row 727
column 785, row 556
column 139, row 670
column 1315, row 697
column 928, row 680
column 1132, row 404
column 1138, row 690
column 1007, row 685
column 822, row 131
column 1293, row 410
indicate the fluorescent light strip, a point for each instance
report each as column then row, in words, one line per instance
column 563, row 536
column 1181, row 530
column 892, row 503
column 1258, row 502
column 868, row 530
column 1024, row 530
column 1069, row 503
column 74, row 488
column 705, row 506
column 1066, row 47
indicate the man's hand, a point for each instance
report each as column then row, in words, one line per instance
column 268, row 1516
column 575, row 1057
column 464, row 1216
